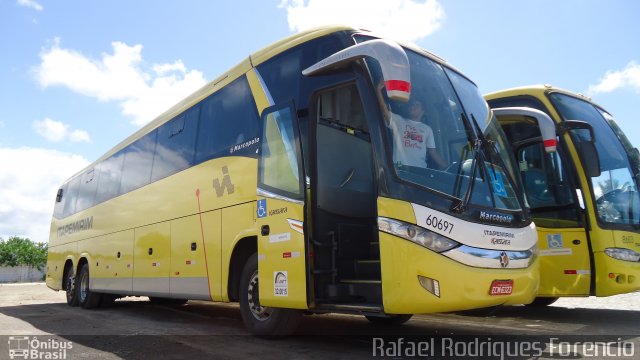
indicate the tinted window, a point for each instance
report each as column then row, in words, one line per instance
column 517, row 101
column 71, row 196
column 282, row 74
column 138, row 160
column 228, row 122
column 58, row 210
column 87, row 191
column 279, row 161
column 176, row 145
column 549, row 191
column 110, row 171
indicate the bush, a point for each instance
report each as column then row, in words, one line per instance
column 19, row 251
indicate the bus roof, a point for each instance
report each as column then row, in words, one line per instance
column 539, row 90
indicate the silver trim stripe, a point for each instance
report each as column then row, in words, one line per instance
column 491, row 259
column 270, row 195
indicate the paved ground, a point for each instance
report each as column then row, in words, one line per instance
column 32, row 315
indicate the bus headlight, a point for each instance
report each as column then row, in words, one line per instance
column 417, row 234
column 623, row 254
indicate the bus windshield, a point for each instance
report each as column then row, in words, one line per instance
column 616, row 189
column 434, row 138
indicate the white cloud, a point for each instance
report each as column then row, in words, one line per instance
column 31, row 4
column 614, row 80
column 143, row 92
column 57, row 131
column 79, row 136
column 29, row 181
column 405, row 20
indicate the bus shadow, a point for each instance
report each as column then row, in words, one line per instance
column 587, row 320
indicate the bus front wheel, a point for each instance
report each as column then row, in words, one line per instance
column 262, row 320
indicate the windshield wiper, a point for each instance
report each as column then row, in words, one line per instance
column 461, row 204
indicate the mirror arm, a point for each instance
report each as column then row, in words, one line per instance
column 392, row 58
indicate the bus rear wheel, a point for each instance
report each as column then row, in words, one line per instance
column 261, row 320
column 70, row 286
column 86, row 298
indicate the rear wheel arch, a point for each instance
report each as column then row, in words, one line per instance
column 68, row 266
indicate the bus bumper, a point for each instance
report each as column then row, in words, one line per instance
column 614, row 276
column 459, row 287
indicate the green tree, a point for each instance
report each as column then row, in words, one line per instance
column 17, row 251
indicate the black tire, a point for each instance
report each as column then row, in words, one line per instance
column 167, row 301
column 70, row 286
column 543, row 301
column 259, row 320
column 86, row 298
column 390, row 320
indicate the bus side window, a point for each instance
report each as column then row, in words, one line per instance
column 109, row 178
column 548, row 188
column 138, row 160
column 87, row 191
column 176, row 145
column 71, row 196
column 228, row 119
column 61, row 197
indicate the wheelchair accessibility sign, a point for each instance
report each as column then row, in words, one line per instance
column 554, row 241
column 498, row 184
column 262, row 208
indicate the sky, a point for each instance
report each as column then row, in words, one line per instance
column 77, row 77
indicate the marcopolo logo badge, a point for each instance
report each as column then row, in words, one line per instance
column 25, row 347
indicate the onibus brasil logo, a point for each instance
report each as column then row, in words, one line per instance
column 25, row 347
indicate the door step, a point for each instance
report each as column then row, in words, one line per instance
column 361, row 281
column 355, row 309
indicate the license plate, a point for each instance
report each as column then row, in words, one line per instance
column 501, row 287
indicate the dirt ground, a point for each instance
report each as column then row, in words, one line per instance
column 35, row 317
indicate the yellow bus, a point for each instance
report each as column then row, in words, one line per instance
column 290, row 185
column 583, row 197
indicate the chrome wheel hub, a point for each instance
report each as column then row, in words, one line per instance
column 261, row 313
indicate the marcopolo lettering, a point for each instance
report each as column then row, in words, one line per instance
column 76, row 226
column 244, row 145
column 494, row 217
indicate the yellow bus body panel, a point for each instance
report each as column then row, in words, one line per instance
column 185, row 206
column 282, row 274
column 56, row 258
column 461, row 287
column 564, row 265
